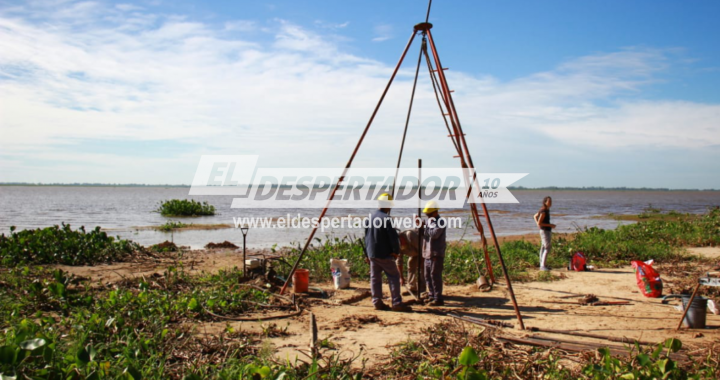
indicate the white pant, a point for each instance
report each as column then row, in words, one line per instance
column 545, row 237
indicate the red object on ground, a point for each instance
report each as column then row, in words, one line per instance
column 578, row 262
column 301, row 280
column 648, row 279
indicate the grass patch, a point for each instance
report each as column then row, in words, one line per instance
column 648, row 216
column 55, row 326
column 172, row 226
column 317, row 259
column 661, row 240
column 185, row 207
column 63, row 245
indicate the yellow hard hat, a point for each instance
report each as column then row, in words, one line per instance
column 385, row 200
column 431, row 207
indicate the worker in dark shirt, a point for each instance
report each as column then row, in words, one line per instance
column 383, row 248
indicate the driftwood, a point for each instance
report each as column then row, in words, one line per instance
column 594, row 336
column 482, row 321
column 566, row 346
column 596, row 303
column 574, row 346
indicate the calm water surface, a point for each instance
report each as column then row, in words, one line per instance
column 122, row 210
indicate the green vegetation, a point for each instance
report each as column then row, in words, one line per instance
column 185, row 207
column 170, row 226
column 661, row 240
column 317, row 259
column 62, row 245
column 651, row 213
column 56, row 326
column 652, row 239
column 459, row 352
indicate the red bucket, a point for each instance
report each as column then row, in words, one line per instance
column 301, row 280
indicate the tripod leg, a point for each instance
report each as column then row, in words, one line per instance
column 460, row 137
column 352, row 157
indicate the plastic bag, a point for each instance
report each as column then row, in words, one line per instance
column 340, row 273
column 648, row 279
column 578, row 262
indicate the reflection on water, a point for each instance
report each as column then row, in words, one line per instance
column 121, row 209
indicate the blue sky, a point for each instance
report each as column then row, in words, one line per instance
column 576, row 93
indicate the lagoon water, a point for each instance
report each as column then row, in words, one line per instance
column 123, row 211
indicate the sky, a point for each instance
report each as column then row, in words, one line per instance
column 575, row 93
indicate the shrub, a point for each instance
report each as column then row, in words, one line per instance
column 185, row 207
column 169, row 226
column 62, row 245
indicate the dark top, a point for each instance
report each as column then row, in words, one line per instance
column 383, row 240
column 545, row 219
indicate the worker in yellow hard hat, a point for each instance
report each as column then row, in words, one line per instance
column 434, row 237
column 382, row 248
column 385, row 202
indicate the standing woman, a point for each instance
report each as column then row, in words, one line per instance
column 542, row 219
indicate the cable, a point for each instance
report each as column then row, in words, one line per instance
column 407, row 120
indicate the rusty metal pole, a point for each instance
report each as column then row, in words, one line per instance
column 461, row 138
column 455, row 137
column 420, row 260
column 352, row 157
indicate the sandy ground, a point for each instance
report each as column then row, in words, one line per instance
column 357, row 329
column 712, row 252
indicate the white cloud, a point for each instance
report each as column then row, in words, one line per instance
column 128, row 7
column 383, row 32
column 241, row 25
column 330, row 25
column 297, row 100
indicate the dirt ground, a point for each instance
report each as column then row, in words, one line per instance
column 357, row 329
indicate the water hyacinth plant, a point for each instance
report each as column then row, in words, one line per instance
column 185, row 207
column 62, row 245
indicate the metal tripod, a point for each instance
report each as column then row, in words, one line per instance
column 452, row 123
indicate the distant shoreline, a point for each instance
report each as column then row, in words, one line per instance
column 549, row 188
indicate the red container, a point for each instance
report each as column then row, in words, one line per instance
column 301, row 280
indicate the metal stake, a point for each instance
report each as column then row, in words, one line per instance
column 244, row 231
column 420, row 260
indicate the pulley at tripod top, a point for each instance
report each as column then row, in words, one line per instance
column 423, row 26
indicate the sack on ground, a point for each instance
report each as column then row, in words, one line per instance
column 340, row 273
column 578, row 262
column 648, row 279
